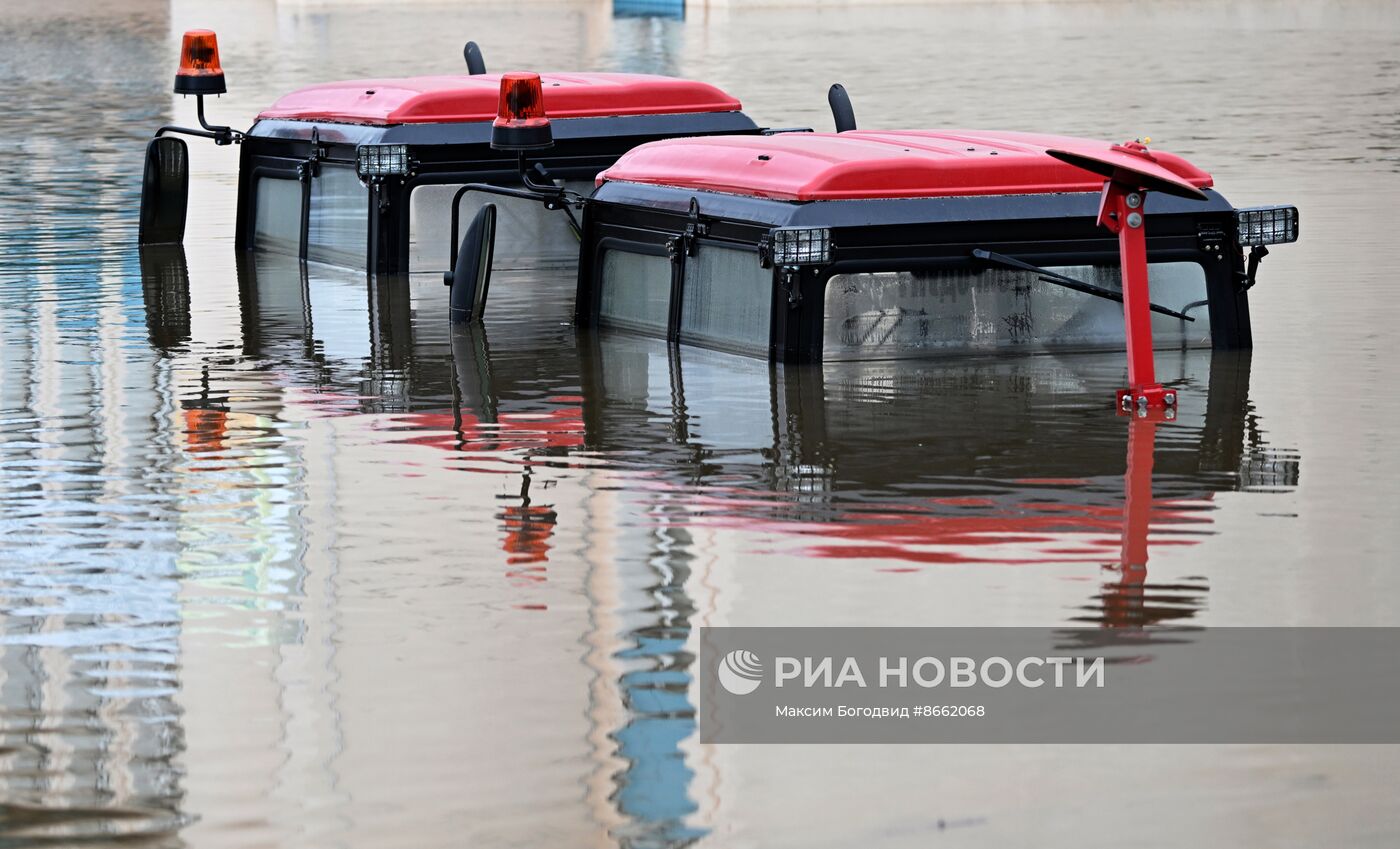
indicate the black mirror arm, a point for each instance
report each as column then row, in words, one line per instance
column 485, row 188
column 220, row 138
column 220, row 135
column 539, row 188
column 552, row 196
column 574, row 224
column 526, row 172
column 562, row 198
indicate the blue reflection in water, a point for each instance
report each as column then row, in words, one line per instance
column 654, row 790
column 90, row 613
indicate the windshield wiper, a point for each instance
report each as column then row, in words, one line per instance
column 1068, row 282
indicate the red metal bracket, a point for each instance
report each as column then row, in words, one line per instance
column 1131, row 169
column 1121, row 213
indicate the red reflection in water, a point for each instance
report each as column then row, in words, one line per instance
column 1124, row 602
column 558, row 428
column 528, row 530
column 527, row 527
column 1029, row 532
column 205, row 430
column 1038, row 524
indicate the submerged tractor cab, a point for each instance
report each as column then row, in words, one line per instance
column 368, row 173
column 886, row 244
column 690, row 223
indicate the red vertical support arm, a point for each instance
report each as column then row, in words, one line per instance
column 1131, row 169
column 1121, row 213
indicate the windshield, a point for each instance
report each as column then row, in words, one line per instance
column 917, row 313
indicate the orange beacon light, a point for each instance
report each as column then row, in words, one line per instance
column 200, row 72
column 520, row 120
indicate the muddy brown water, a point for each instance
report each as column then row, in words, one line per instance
column 283, row 562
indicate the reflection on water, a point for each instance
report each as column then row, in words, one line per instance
column 1019, row 462
column 284, row 560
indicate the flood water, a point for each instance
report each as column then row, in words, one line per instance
column 284, row 562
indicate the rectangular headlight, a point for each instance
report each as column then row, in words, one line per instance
column 1266, row 225
column 378, row 159
column 801, row 246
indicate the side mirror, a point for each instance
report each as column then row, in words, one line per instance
column 165, row 191
column 841, row 111
column 471, row 276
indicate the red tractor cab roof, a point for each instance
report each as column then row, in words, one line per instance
column 874, row 164
column 469, row 98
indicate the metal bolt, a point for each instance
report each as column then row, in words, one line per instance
column 1134, row 220
column 1134, row 200
column 1170, row 398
